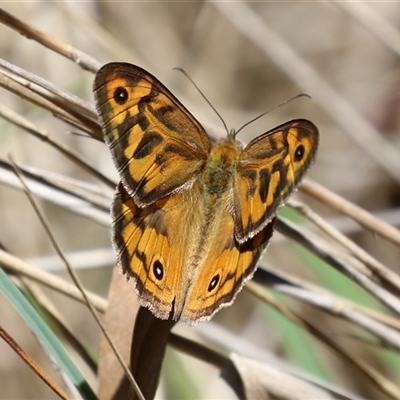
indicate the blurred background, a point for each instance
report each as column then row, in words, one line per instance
column 247, row 58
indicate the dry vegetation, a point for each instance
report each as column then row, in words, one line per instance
column 320, row 319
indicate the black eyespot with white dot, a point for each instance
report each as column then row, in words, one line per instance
column 299, row 153
column 120, row 95
column 158, row 270
column 213, row 283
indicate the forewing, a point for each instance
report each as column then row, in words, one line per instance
column 268, row 170
column 158, row 147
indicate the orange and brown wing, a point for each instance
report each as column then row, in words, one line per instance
column 268, row 170
column 158, row 147
column 225, row 269
column 151, row 250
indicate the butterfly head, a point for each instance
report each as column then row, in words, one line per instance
column 232, row 133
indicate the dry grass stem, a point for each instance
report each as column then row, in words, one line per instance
column 26, row 93
column 19, row 267
column 48, row 41
column 42, row 93
column 68, row 152
column 373, row 22
column 306, row 77
column 386, row 386
column 383, row 272
column 384, row 327
column 46, row 89
column 350, row 320
column 58, row 319
column 79, row 197
column 344, row 206
column 340, row 260
column 33, row 365
column 97, row 31
column 78, row 284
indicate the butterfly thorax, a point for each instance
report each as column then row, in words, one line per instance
column 220, row 167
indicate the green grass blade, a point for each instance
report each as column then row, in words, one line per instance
column 46, row 337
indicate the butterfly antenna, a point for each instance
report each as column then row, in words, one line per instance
column 267, row 112
column 84, row 135
column 203, row 95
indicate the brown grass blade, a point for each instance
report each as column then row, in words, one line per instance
column 381, row 382
column 31, row 32
column 344, row 206
column 33, row 365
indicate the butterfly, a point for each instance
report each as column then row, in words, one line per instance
column 190, row 219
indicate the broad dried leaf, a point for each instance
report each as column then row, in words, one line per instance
column 119, row 320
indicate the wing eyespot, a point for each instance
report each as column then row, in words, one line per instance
column 213, row 283
column 299, row 153
column 120, row 95
column 158, row 270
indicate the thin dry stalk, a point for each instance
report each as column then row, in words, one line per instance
column 383, row 272
column 48, row 41
column 386, row 386
column 78, row 284
column 382, row 29
column 246, row 20
column 339, row 252
column 344, row 262
column 385, row 328
column 33, row 365
column 355, row 212
column 20, row 267
column 69, row 153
